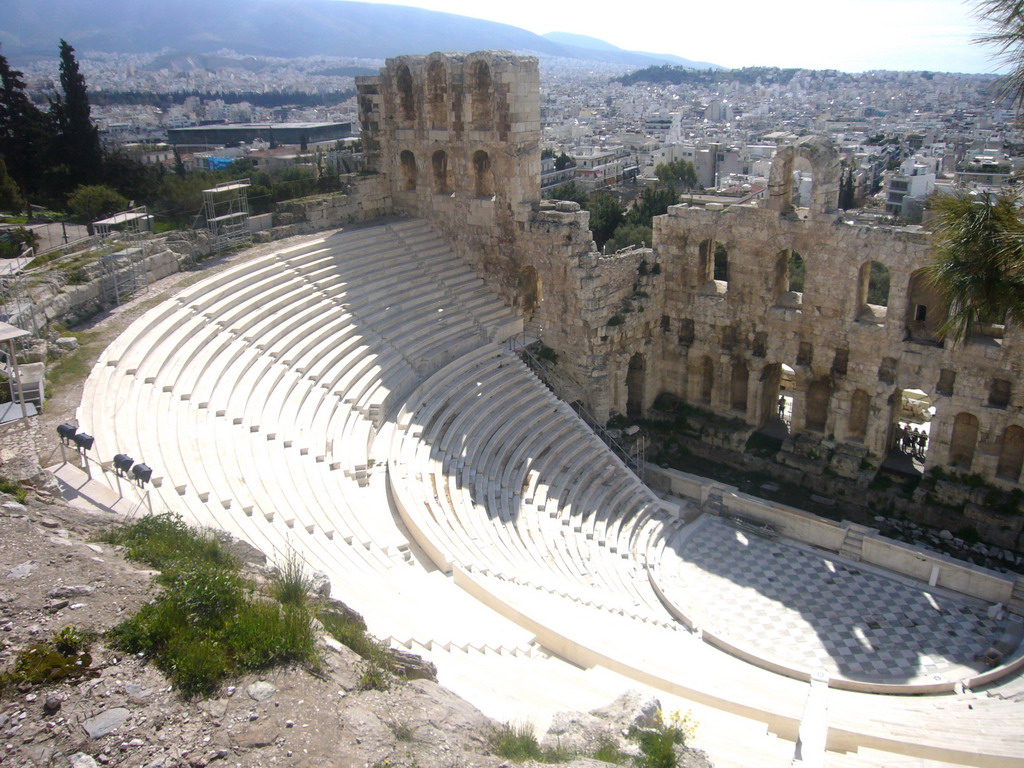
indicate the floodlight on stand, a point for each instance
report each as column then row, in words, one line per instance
column 142, row 473
column 123, row 462
column 83, row 440
column 67, row 432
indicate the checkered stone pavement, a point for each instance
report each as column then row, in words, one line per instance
column 816, row 612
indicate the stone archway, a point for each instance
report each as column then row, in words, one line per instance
column 739, row 386
column 963, row 441
column 860, row 412
column 437, row 94
column 406, row 100
column 1011, row 454
column 826, row 171
column 635, row 381
column 819, row 397
column 442, row 172
column 528, row 290
column 480, row 93
column 409, row 173
column 483, row 177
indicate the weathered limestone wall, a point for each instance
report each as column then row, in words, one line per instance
column 456, row 138
column 363, row 199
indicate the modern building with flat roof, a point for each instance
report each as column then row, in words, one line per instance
column 282, row 133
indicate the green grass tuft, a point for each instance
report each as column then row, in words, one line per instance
column 208, row 623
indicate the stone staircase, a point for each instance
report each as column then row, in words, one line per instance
column 1016, row 603
column 853, row 543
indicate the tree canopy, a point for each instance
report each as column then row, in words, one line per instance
column 978, row 263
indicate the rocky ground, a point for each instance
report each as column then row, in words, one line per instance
column 55, row 573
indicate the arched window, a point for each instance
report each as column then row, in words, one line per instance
column 873, row 292
column 443, row 179
column 819, row 396
column 1011, row 454
column 707, row 379
column 925, row 312
column 483, row 179
column 860, row 409
column 796, row 273
column 437, row 95
column 788, row 279
column 409, row 173
column 740, row 381
column 635, row 386
column 481, row 94
column 963, row 441
column 713, row 265
column 406, row 102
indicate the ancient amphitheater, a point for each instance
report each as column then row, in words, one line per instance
column 358, row 399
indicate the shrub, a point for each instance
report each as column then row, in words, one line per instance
column 208, row 623
column 15, row 490
column 546, row 353
column 291, row 584
column 608, row 751
column 616, row 319
column 515, row 742
column 658, row 744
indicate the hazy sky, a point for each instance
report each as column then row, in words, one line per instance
column 851, row 35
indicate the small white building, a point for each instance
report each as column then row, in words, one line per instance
column 914, row 181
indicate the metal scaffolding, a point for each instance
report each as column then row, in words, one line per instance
column 16, row 305
column 226, row 207
column 123, row 273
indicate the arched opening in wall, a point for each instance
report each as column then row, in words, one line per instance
column 739, row 387
column 873, row 292
column 788, row 278
column 1011, row 454
column 483, row 179
column 528, row 290
column 778, row 384
column 635, row 387
column 963, row 441
column 409, row 174
column 437, row 95
column 860, row 411
column 406, row 100
column 925, row 311
column 910, row 436
column 443, row 176
column 713, row 267
column 803, row 182
column 707, row 379
column 481, row 95
column 819, row 398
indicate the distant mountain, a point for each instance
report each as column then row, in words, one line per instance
column 607, row 50
column 285, row 28
column 580, row 41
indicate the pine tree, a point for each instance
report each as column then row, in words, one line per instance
column 79, row 139
column 26, row 133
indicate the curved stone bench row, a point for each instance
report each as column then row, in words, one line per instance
column 468, row 459
column 253, row 393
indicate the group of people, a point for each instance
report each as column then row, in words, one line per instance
column 911, row 441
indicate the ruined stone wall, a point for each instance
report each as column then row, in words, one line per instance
column 712, row 313
column 364, row 197
column 456, row 138
column 721, row 342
